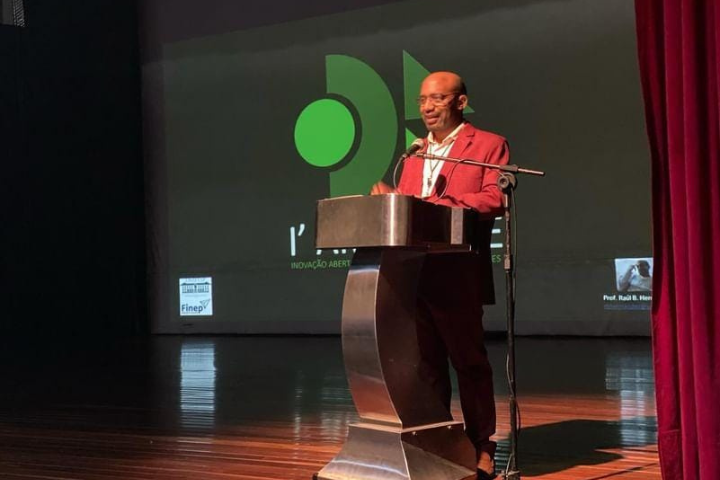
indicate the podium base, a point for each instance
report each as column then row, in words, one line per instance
column 439, row 451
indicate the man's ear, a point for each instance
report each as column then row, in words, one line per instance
column 462, row 102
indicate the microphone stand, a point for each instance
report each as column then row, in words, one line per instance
column 506, row 182
column 475, row 163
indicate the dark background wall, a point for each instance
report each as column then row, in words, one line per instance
column 229, row 191
column 72, row 258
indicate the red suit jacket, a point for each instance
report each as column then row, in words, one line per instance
column 467, row 186
column 471, row 187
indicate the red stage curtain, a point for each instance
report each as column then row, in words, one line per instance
column 679, row 52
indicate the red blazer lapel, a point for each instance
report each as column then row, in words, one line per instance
column 462, row 143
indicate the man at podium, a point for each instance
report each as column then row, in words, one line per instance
column 453, row 286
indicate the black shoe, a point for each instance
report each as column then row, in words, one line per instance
column 483, row 475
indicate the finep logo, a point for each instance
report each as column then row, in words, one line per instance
column 196, row 297
column 358, row 118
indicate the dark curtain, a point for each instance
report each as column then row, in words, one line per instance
column 679, row 52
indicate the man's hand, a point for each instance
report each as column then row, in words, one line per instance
column 381, row 188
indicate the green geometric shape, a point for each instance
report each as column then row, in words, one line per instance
column 324, row 132
column 366, row 91
column 410, row 137
column 413, row 75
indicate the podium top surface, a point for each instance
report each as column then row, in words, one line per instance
column 390, row 220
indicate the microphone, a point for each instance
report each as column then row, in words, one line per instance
column 414, row 147
column 417, row 145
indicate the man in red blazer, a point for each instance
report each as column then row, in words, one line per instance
column 453, row 286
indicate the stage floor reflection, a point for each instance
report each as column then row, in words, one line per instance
column 172, row 407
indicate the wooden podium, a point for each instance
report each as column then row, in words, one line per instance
column 404, row 431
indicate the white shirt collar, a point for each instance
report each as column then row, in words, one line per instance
column 450, row 138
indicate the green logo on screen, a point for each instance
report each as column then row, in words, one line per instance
column 353, row 132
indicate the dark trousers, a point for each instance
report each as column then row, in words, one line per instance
column 449, row 326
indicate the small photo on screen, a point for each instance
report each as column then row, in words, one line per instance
column 633, row 274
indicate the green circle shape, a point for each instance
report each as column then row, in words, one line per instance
column 324, row 132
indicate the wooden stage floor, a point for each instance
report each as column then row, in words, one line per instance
column 257, row 408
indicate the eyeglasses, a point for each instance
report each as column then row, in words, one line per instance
column 437, row 99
